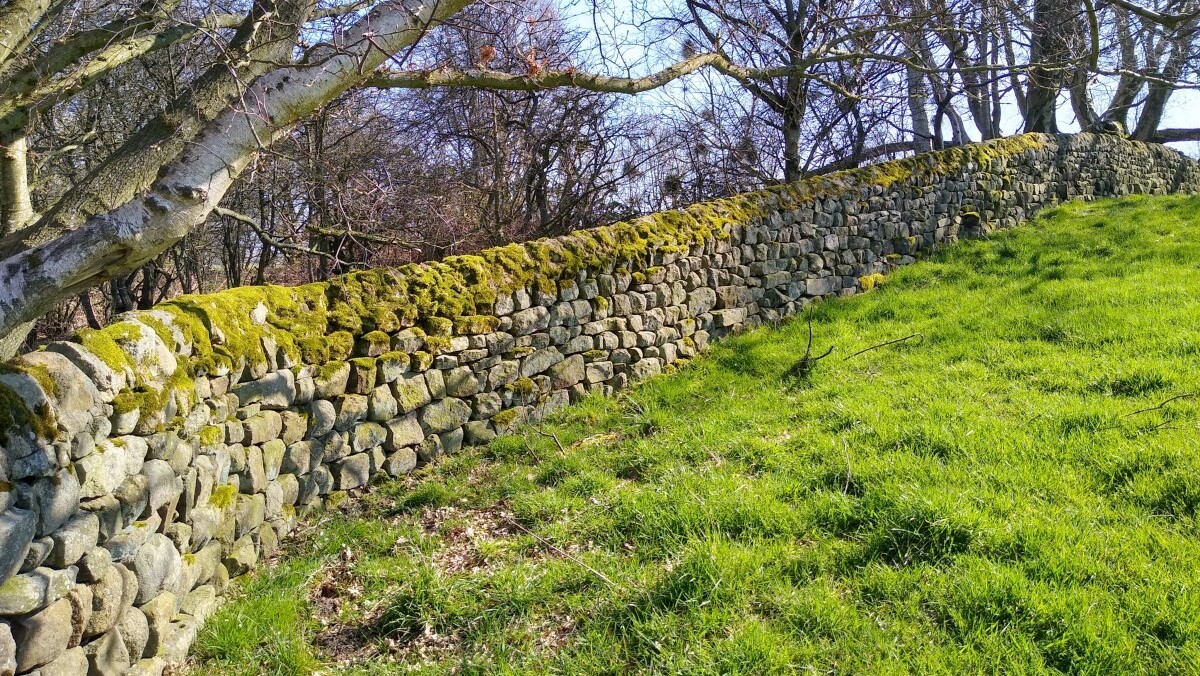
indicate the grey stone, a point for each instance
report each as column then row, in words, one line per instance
column 401, row 462
column 94, row 563
column 80, row 598
column 567, row 372
column 162, row 486
column 107, row 381
column 39, row 550
column 598, row 372
column 108, row 655
column 381, row 405
column 332, row 380
column 352, row 472
column 452, row 440
column 263, row 427
column 436, row 382
column 8, row 651
column 368, row 435
column 74, row 396
column 100, row 473
column 42, row 636
column 272, row 458
column 295, row 426
column 462, row 382
column 411, row 393
column 250, row 511
column 156, row 566
column 16, row 533
column 135, row 632
column 487, row 405
column 404, row 431
column 27, row 592
column 444, row 415
column 322, row 417
column 74, row 539
column 299, row 457
column 275, row 391
column 111, row 595
column 73, row 662
column 242, row 557
column 159, row 611
column 540, row 361
column 125, row 544
column 351, row 408
column 478, row 432
column 200, row 602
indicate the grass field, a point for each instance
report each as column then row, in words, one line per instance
column 1009, row 494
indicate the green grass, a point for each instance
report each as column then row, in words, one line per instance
column 1002, row 496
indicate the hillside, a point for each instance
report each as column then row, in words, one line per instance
column 1013, row 489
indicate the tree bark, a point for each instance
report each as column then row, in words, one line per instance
column 16, row 205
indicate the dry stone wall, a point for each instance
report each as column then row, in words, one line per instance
column 147, row 464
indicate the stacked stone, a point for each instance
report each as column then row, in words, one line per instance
column 120, row 528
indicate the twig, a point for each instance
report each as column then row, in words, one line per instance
column 1162, row 404
column 846, row 448
column 920, row 336
column 803, row 368
column 561, row 451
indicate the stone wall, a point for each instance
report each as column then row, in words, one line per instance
column 146, row 464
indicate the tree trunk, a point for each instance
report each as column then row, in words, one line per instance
column 918, row 96
column 16, row 206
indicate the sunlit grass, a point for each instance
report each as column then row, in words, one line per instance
column 1005, row 495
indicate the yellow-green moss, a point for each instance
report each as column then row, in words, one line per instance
column 437, row 344
column 223, row 496
column 521, row 386
column 341, row 345
column 601, row 302
column 335, row 498
column 314, row 349
column 189, row 558
column 476, row 324
column 596, row 355
column 127, row 401
column 421, row 361
column 506, row 417
column 871, row 281
column 438, row 326
column 14, row 414
column 211, row 435
column 378, row 340
column 396, row 357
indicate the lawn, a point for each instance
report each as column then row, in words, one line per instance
column 1013, row 489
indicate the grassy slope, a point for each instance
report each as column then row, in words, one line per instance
column 984, row 500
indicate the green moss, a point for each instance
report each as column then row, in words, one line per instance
column 524, row 386
column 596, row 355
column 335, row 498
column 438, row 326
column 378, row 340
column 506, row 417
column 189, row 558
column 437, row 344
column 328, row 371
column 314, row 350
column 211, row 435
column 421, row 361
column 363, row 363
column 602, row 303
column 341, row 345
column 223, row 496
column 518, row 352
column 476, row 324
column 127, row 401
column 14, row 414
column 395, row 357
column 39, row 373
